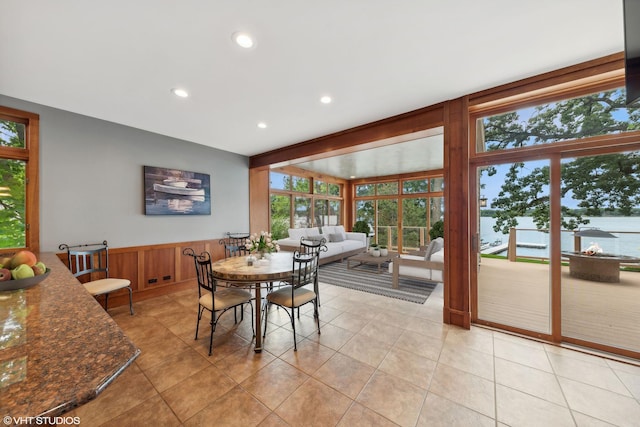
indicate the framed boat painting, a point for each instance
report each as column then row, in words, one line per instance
column 176, row 192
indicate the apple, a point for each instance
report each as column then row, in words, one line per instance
column 5, row 262
column 42, row 266
column 5, row 274
column 24, row 257
column 23, row 271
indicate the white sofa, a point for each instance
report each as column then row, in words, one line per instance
column 340, row 243
column 427, row 266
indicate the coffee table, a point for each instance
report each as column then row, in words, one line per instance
column 366, row 258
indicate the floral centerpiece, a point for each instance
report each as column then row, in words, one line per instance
column 261, row 243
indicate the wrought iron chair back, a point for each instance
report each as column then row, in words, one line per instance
column 294, row 295
column 92, row 261
column 210, row 298
column 305, row 269
column 234, row 244
column 316, row 246
column 312, row 246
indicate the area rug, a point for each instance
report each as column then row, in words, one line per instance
column 365, row 278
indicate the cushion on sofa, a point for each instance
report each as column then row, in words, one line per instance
column 297, row 233
column 340, row 229
column 312, row 231
column 317, row 238
column 328, row 229
column 336, row 237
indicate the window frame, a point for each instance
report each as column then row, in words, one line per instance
column 30, row 155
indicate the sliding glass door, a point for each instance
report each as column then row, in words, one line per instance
column 513, row 276
column 600, row 276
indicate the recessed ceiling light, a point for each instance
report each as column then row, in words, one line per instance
column 352, row 177
column 326, row 99
column 243, row 39
column 262, row 125
column 180, row 92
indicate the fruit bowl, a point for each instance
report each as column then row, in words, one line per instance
column 10, row 285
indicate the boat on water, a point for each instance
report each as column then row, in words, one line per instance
column 178, row 190
column 175, row 182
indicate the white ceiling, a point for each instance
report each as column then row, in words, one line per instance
column 418, row 152
column 118, row 60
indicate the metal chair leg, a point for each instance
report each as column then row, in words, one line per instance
column 200, row 310
column 130, row 300
column 266, row 312
column 293, row 325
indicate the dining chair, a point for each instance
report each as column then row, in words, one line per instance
column 211, row 298
column 314, row 246
column 92, row 260
column 293, row 294
column 234, row 244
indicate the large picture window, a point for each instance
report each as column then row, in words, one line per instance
column 400, row 212
column 303, row 201
column 18, row 180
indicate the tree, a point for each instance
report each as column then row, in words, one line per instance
column 601, row 184
column 12, row 188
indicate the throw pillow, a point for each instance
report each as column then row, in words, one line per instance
column 336, row 237
column 328, row 229
column 297, row 233
column 313, row 231
column 340, row 229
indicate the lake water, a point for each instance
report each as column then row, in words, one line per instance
column 627, row 230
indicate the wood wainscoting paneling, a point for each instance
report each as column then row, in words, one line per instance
column 155, row 270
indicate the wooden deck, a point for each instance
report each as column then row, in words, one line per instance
column 519, row 295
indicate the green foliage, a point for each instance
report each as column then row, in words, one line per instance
column 362, row 227
column 602, row 184
column 12, row 188
column 279, row 228
column 437, row 230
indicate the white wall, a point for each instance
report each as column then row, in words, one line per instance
column 91, row 183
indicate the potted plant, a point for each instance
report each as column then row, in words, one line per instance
column 383, row 250
column 375, row 250
column 437, row 230
column 362, row 227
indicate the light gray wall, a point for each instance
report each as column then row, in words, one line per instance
column 91, row 183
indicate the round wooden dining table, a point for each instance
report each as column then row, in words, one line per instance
column 237, row 272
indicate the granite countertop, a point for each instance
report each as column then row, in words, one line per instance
column 58, row 347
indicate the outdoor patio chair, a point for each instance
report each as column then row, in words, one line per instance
column 426, row 265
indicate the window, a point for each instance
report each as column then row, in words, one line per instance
column 279, row 181
column 299, row 202
column 319, row 187
column 415, row 186
column 596, row 114
column 18, row 168
column 400, row 221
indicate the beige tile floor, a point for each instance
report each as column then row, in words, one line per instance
column 378, row 362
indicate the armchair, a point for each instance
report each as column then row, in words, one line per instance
column 427, row 265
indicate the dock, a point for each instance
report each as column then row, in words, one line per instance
column 492, row 250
